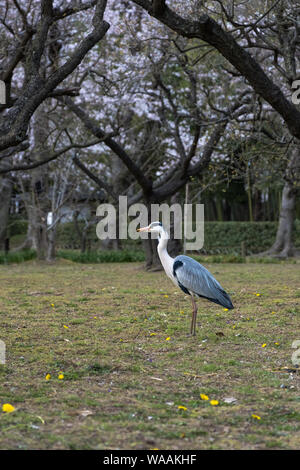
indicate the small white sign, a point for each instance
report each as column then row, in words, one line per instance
column 49, row 218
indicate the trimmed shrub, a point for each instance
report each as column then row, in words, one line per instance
column 109, row 256
column 227, row 237
column 17, row 257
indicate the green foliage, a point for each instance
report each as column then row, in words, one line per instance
column 17, row 226
column 17, row 257
column 227, row 237
column 223, row 240
column 220, row 238
column 109, row 256
column 67, row 236
column 221, row 259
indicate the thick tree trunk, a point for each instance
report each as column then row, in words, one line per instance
column 51, row 244
column 40, row 201
column 5, row 196
column 258, row 207
column 283, row 246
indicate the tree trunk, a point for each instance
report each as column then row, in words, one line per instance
column 5, row 196
column 283, row 246
column 258, row 207
column 51, row 244
column 39, row 201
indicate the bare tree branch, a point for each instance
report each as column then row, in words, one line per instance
column 208, row 30
column 14, row 124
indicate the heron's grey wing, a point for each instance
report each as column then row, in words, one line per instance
column 193, row 277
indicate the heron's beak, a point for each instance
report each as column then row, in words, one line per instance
column 143, row 229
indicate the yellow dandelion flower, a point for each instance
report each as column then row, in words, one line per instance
column 181, row 312
column 257, row 295
column 168, row 338
column 264, row 345
column 225, row 309
column 214, row 402
column 256, row 417
column 234, row 326
column 52, row 305
column 276, row 344
column 166, row 296
column 273, row 313
column 153, row 334
column 203, row 396
column 48, row 377
column 65, row 326
column 180, row 407
column 61, row 376
column 8, row 408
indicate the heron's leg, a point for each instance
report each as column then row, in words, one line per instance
column 193, row 322
column 195, row 317
column 192, row 316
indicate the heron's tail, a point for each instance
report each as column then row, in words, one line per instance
column 224, row 299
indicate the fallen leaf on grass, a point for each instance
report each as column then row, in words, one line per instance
column 85, row 413
column 229, row 400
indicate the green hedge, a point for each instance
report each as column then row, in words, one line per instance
column 17, row 257
column 17, row 226
column 67, row 237
column 220, row 238
column 108, row 256
column 227, row 237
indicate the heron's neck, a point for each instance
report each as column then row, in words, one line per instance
column 165, row 258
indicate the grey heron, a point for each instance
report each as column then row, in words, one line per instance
column 186, row 273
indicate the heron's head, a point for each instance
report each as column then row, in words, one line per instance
column 155, row 227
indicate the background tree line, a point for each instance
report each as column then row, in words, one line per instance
column 143, row 98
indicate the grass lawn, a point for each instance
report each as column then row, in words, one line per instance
column 132, row 376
